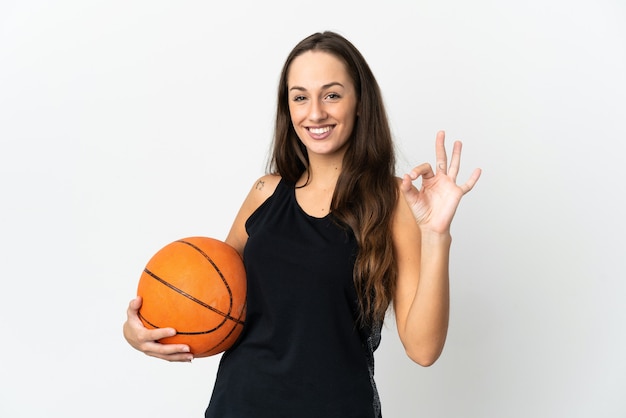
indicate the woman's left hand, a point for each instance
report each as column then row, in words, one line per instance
column 435, row 204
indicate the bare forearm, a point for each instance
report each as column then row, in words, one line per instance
column 426, row 325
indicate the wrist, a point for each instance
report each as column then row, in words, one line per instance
column 430, row 237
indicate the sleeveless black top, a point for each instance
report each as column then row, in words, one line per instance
column 301, row 353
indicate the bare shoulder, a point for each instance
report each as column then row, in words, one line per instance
column 261, row 190
column 267, row 184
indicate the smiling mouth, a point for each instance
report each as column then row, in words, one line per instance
column 319, row 131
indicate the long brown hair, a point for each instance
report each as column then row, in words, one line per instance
column 366, row 191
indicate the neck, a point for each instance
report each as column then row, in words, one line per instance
column 321, row 176
column 316, row 188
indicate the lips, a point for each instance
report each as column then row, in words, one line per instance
column 320, row 132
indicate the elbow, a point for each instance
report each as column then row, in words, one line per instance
column 425, row 353
column 424, row 359
column 423, row 348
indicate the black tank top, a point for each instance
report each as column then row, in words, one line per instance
column 301, row 353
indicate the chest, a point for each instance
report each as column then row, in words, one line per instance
column 314, row 201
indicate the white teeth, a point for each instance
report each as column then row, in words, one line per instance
column 319, row 131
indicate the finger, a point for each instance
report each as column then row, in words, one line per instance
column 156, row 348
column 425, row 170
column 132, row 313
column 469, row 184
column 135, row 304
column 158, row 334
column 440, row 153
column 406, row 184
column 455, row 162
column 169, row 352
column 179, row 357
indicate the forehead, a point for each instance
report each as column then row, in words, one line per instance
column 317, row 68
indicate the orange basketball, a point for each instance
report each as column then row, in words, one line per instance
column 197, row 286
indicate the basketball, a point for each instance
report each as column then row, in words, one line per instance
column 197, row 286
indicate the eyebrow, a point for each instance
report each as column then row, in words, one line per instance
column 324, row 87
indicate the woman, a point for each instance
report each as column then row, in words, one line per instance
column 330, row 239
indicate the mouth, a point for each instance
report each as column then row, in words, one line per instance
column 320, row 131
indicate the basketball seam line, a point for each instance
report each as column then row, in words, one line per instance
column 198, row 301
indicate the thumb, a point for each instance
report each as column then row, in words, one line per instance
column 134, row 305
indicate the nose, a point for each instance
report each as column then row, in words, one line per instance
column 317, row 111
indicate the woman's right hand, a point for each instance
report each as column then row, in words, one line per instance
column 146, row 340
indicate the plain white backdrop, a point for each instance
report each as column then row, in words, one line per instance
column 125, row 125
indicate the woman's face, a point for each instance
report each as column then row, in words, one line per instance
column 322, row 102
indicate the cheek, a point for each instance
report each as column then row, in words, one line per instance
column 295, row 113
column 350, row 115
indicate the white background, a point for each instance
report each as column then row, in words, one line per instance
column 125, row 125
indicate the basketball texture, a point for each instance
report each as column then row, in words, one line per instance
column 197, row 286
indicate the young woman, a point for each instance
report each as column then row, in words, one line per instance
column 330, row 239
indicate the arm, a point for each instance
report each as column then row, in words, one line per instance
column 261, row 190
column 421, row 302
column 421, row 236
column 146, row 340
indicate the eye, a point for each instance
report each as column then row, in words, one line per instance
column 298, row 98
column 333, row 96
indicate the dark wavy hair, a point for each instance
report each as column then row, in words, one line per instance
column 366, row 192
